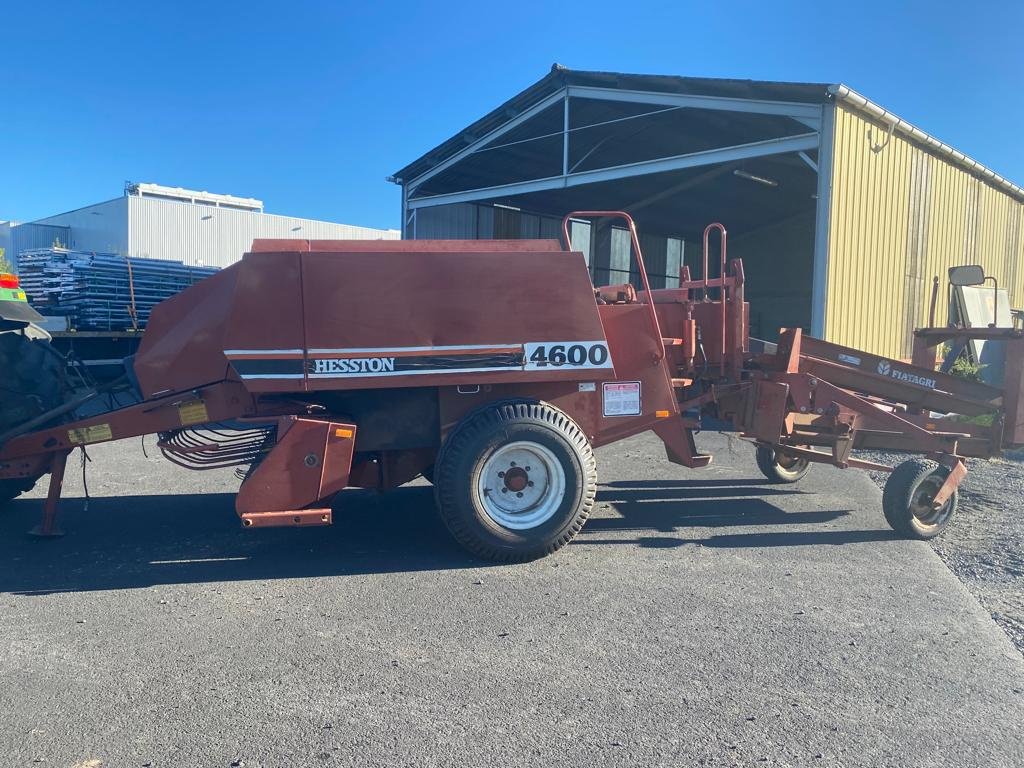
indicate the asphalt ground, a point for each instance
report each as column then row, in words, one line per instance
column 701, row 618
column 984, row 545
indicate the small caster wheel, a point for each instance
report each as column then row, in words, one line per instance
column 779, row 466
column 907, row 499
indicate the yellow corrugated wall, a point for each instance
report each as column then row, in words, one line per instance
column 899, row 216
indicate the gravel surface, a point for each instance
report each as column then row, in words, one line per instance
column 701, row 618
column 984, row 544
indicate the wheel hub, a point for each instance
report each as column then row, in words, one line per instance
column 521, row 485
column 516, row 479
column 923, row 498
column 787, row 460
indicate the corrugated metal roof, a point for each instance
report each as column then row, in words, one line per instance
column 759, row 90
column 559, row 77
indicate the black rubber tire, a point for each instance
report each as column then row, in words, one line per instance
column 908, row 488
column 32, row 379
column 464, row 456
column 11, row 488
column 776, row 472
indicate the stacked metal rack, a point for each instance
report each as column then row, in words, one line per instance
column 101, row 291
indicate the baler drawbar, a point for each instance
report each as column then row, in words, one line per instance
column 492, row 368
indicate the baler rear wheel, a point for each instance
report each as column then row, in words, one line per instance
column 515, row 481
column 780, row 467
column 907, row 499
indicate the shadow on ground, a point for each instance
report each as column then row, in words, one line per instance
column 646, row 507
column 138, row 541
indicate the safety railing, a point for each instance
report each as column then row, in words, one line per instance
column 721, row 274
column 648, row 296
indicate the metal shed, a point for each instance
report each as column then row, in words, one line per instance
column 841, row 211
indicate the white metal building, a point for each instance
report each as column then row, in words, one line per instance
column 158, row 222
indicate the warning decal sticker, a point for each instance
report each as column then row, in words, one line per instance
column 621, row 398
column 94, row 434
column 193, row 412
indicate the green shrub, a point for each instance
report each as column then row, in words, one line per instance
column 963, row 367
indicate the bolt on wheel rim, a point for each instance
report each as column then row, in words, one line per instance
column 521, row 485
column 789, row 462
column 921, row 502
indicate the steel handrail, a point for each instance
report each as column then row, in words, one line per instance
column 652, row 313
column 721, row 274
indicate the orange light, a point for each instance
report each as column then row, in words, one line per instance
column 343, row 432
column 662, row 414
column 8, row 281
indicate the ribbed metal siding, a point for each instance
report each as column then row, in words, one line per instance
column 462, row 221
column 102, row 227
column 450, row 222
column 211, row 236
column 26, row 236
column 899, row 216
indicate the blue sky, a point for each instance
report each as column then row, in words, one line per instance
column 309, row 106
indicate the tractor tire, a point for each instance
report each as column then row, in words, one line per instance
column 907, row 497
column 515, row 481
column 32, row 379
column 11, row 488
column 779, row 467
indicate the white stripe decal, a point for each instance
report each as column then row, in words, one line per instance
column 273, row 376
column 433, row 372
column 387, row 361
column 230, row 352
column 392, row 350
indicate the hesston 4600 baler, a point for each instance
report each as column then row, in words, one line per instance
column 493, row 368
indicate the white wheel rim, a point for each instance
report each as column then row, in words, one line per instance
column 521, row 485
column 789, row 464
column 921, row 502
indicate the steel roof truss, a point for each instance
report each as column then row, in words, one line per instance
column 786, row 144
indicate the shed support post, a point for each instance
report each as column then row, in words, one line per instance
column 819, row 280
column 565, row 136
column 405, row 212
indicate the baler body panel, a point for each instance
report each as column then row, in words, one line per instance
column 381, row 315
column 634, row 351
column 184, row 340
column 400, row 319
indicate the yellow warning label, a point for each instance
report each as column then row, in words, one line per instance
column 93, row 434
column 193, row 413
